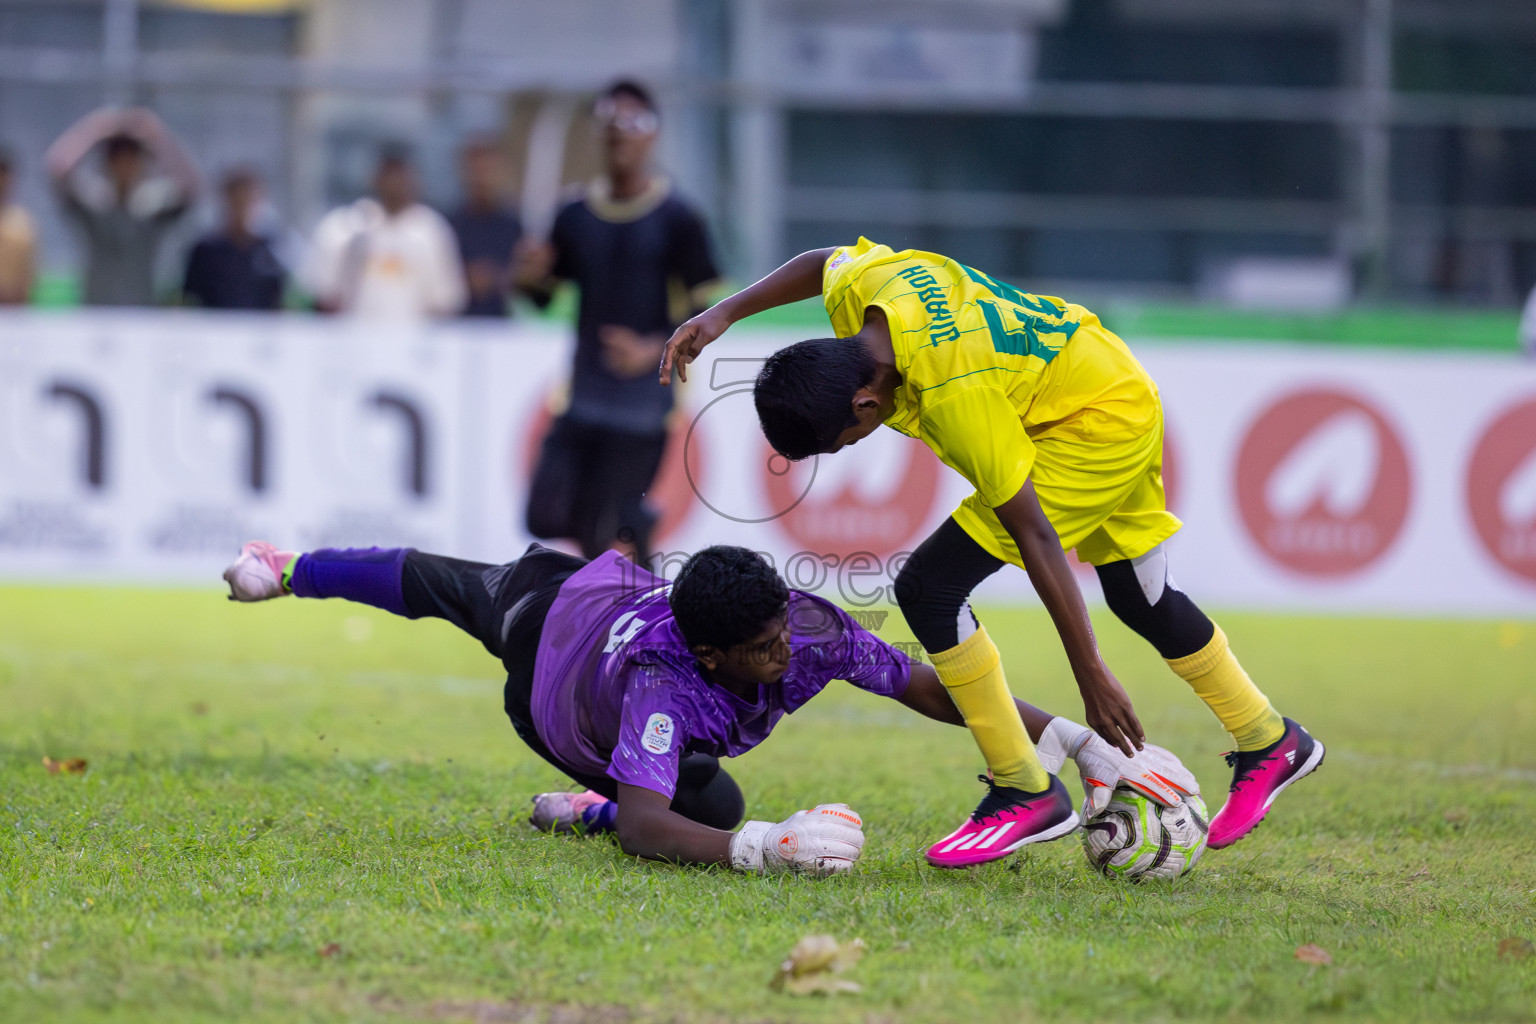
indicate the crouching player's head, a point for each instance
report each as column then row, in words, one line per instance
column 814, row 397
column 733, row 611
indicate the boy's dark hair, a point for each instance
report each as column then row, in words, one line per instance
column 804, row 394
column 634, row 90
column 7, row 161
column 725, row 595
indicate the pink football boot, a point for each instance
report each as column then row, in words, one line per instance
column 1005, row 820
column 1258, row 776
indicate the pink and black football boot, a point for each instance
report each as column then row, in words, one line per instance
column 1005, row 820
column 1258, row 776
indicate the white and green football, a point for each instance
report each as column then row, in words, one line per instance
column 1136, row 839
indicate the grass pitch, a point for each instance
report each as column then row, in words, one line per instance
column 313, row 811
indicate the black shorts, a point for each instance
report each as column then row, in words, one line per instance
column 590, row 485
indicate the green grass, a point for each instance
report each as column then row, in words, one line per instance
column 268, row 781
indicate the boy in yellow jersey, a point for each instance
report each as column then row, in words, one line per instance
column 1060, row 430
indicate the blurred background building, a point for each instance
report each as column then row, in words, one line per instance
column 1293, row 152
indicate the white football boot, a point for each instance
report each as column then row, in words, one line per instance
column 257, row 575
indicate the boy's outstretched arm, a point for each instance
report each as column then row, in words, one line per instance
column 648, row 827
column 798, row 279
column 825, row 840
column 927, row 696
column 1105, row 703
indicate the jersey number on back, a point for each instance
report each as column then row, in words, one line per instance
column 623, row 631
column 1023, row 340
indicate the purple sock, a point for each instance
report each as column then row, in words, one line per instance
column 600, row 817
column 365, row 575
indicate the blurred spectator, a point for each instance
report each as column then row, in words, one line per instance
column 124, row 214
column 18, row 242
column 235, row 266
column 487, row 230
column 642, row 260
column 388, row 256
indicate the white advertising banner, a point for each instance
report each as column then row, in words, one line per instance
column 148, row 446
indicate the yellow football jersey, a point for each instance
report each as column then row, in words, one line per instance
column 994, row 379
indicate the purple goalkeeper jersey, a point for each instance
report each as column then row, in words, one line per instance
column 616, row 691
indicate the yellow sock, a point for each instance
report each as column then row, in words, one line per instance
column 1216, row 677
column 972, row 672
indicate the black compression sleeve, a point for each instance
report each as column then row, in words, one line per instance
column 936, row 582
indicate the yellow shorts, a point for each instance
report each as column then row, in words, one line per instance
column 1105, row 498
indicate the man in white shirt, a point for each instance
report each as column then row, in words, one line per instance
column 388, row 256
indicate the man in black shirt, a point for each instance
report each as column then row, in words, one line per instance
column 641, row 257
column 488, row 232
column 235, row 267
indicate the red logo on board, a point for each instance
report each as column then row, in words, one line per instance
column 876, row 496
column 1323, row 483
column 1501, row 489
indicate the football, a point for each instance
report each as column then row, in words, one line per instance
column 1136, row 839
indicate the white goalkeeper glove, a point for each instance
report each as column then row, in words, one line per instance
column 1154, row 772
column 824, row 840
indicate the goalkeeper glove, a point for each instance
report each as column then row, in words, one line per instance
column 824, row 840
column 1154, row 772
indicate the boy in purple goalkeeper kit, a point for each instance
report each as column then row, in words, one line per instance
column 635, row 688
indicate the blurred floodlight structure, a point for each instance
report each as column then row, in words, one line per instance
column 1224, row 148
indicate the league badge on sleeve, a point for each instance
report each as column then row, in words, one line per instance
column 658, row 734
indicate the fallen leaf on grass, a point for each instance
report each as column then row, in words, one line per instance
column 330, row 949
column 1423, row 872
column 70, row 765
column 1310, row 954
column 1455, row 817
column 200, row 708
column 1516, row 948
column 813, row 966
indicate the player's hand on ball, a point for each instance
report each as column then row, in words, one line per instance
column 1109, row 712
column 1154, row 773
column 688, row 341
column 1161, row 764
column 825, row 840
